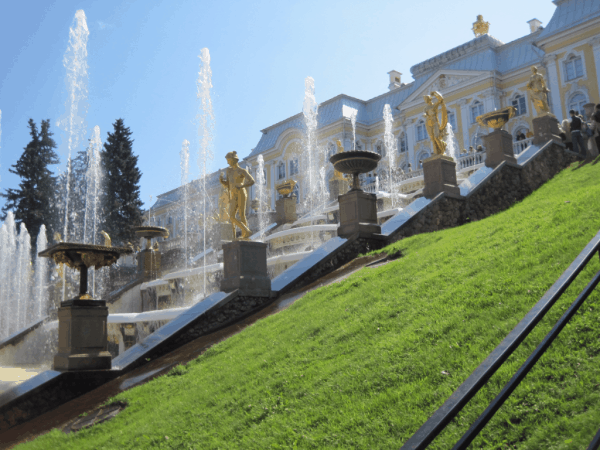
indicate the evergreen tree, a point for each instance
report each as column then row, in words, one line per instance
column 123, row 207
column 34, row 202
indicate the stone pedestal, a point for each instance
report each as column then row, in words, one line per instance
column 82, row 336
column 337, row 187
column 358, row 213
column 149, row 264
column 245, row 268
column 545, row 128
column 439, row 175
column 285, row 210
column 498, row 148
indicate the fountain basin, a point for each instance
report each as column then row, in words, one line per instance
column 497, row 119
column 355, row 163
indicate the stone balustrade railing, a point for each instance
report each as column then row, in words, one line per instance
column 469, row 160
column 401, row 178
column 520, row 146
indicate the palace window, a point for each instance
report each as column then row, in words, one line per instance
column 574, row 68
column 357, row 145
column 421, row 131
column 476, row 110
column 452, row 120
column 379, row 148
column 577, row 102
column 520, row 105
column 294, row 167
column 403, row 144
column 281, row 171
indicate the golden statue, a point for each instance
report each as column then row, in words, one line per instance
column 436, row 129
column 539, row 92
column 237, row 181
column 480, row 27
column 222, row 214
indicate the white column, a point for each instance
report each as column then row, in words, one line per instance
column 552, row 76
column 410, row 138
column 465, row 115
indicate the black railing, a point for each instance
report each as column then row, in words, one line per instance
column 455, row 403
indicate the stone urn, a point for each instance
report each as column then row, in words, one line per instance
column 355, row 163
column 497, row 119
column 498, row 143
column 149, row 259
column 82, row 331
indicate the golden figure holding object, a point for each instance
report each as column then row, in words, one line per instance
column 436, row 129
column 237, row 181
column 539, row 92
column 480, row 27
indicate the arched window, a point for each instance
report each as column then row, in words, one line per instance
column 477, row 141
column 357, row 145
column 577, row 102
column 573, row 67
column 331, row 150
column 380, row 148
column 404, row 166
column 421, row 131
column 281, row 171
column 520, row 105
column 452, row 120
column 403, row 145
column 476, row 110
column 294, row 167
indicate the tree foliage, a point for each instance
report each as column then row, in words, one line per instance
column 34, row 202
column 123, row 206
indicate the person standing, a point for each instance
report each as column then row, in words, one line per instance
column 578, row 145
column 596, row 125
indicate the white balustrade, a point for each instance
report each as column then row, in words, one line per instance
column 520, row 146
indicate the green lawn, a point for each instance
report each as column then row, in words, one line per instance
column 364, row 362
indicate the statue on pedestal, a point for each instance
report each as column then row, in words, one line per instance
column 435, row 129
column 237, row 181
column 539, row 92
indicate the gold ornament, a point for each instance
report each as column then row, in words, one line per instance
column 237, row 181
column 480, row 27
column 539, row 92
column 436, row 129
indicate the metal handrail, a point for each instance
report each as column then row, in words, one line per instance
column 461, row 396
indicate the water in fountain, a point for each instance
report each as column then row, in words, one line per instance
column 8, row 247
column 75, row 62
column 310, row 112
column 206, row 121
column 376, row 185
column 390, row 149
column 0, row 135
column 451, row 144
column 185, row 169
column 262, row 196
column 41, row 276
column 21, row 281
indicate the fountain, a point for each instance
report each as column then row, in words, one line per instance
column 310, row 112
column 390, row 147
column 498, row 143
column 0, row 134
column 262, row 197
column 358, row 209
column 149, row 258
column 185, row 168
column 285, row 207
column 82, row 332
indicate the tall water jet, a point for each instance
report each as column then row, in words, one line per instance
column 451, row 143
column 75, row 62
column 390, row 149
column 41, row 276
column 24, row 273
column 353, row 122
column 5, row 275
column 261, row 194
column 310, row 111
column 0, row 138
column 206, row 123
column 184, row 156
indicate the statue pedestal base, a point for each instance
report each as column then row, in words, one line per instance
column 149, row 264
column 439, row 175
column 337, row 188
column 285, row 210
column 358, row 213
column 82, row 336
column 545, row 128
column 245, row 268
column 498, row 148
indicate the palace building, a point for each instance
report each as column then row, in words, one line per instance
column 476, row 77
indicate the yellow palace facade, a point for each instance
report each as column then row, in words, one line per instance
column 476, row 77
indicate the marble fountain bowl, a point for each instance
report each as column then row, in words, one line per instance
column 355, row 163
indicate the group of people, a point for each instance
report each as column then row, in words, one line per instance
column 580, row 136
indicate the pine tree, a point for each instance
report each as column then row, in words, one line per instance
column 34, row 202
column 123, row 207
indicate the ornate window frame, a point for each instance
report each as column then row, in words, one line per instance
column 513, row 98
column 562, row 62
column 476, row 103
column 281, row 165
column 571, row 95
column 452, row 112
column 379, row 148
column 402, row 138
column 420, row 125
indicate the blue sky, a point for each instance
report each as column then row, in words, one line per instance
column 143, row 65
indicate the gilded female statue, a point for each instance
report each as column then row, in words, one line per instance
column 237, row 181
column 435, row 129
column 539, row 92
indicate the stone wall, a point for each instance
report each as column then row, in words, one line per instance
column 506, row 185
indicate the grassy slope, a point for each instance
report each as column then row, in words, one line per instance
column 359, row 364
